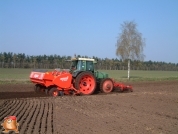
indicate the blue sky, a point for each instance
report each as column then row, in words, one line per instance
column 87, row 27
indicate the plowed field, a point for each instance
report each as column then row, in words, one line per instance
column 151, row 109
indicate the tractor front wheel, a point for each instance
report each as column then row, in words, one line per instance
column 54, row 92
column 106, row 85
column 86, row 83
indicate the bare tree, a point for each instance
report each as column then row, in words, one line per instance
column 130, row 43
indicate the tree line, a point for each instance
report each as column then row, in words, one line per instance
column 21, row 60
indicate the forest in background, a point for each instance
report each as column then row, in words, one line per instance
column 21, row 60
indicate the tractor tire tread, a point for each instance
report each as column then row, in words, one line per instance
column 102, row 82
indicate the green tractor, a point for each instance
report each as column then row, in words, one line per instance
column 87, row 79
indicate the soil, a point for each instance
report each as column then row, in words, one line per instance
column 152, row 108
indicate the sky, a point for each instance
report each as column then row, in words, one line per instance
column 87, row 27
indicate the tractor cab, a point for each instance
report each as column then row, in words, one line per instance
column 82, row 64
column 86, row 64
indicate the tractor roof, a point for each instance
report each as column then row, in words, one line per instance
column 86, row 59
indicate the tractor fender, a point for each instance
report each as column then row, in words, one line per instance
column 76, row 73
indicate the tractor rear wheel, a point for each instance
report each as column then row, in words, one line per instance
column 54, row 92
column 106, row 85
column 86, row 83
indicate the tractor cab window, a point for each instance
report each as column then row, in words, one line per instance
column 74, row 65
column 81, row 65
column 89, row 66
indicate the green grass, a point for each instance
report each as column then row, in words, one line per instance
column 22, row 75
column 14, row 75
column 137, row 75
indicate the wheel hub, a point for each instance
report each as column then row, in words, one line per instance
column 108, row 86
column 84, row 83
column 54, row 93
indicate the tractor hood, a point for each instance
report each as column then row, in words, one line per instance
column 100, row 75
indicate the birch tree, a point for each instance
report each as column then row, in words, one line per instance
column 130, row 43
